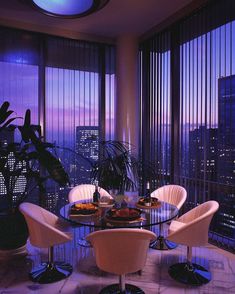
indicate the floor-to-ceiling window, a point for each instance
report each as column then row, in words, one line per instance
column 155, row 103
column 19, row 72
column 69, row 86
column 207, row 116
column 19, row 79
column 79, row 102
column 202, row 97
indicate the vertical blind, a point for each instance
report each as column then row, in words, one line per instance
column 207, row 112
column 19, row 71
column 155, row 106
column 201, row 87
column 69, row 86
column 110, row 62
column 79, row 82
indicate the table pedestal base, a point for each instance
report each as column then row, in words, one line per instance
column 115, row 289
column 162, row 244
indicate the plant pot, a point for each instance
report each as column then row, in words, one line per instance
column 13, row 231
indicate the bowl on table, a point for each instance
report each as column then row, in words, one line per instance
column 143, row 203
column 124, row 214
column 83, row 209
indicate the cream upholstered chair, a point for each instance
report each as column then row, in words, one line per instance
column 191, row 229
column 175, row 195
column 44, row 232
column 121, row 251
column 85, row 192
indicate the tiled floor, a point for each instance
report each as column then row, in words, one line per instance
column 88, row 279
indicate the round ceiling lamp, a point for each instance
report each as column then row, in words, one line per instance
column 68, row 8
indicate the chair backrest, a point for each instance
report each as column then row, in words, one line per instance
column 85, row 192
column 121, row 251
column 194, row 225
column 42, row 226
column 173, row 194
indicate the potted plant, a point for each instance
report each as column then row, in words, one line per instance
column 117, row 168
column 27, row 164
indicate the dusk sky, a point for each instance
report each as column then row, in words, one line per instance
column 72, row 95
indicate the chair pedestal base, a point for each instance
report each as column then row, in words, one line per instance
column 162, row 244
column 185, row 273
column 115, row 289
column 84, row 243
column 51, row 272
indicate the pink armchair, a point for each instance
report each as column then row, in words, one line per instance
column 191, row 229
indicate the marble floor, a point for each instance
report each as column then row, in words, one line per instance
column 88, row 279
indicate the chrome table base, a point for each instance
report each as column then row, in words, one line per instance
column 115, row 289
column 162, row 244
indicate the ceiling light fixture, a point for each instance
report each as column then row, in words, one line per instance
column 67, row 8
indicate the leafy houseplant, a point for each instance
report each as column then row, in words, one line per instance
column 117, row 168
column 27, row 164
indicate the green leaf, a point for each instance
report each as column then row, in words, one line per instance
column 54, row 167
column 3, row 111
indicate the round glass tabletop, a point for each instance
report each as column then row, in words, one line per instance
column 164, row 212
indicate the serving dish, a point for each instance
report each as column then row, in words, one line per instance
column 155, row 203
column 123, row 214
column 83, row 209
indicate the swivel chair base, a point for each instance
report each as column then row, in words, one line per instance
column 51, row 272
column 162, row 244
column 190, row 274
column 84, row 243
column 115, row 289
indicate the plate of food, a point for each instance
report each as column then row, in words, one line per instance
column 142, row 203
column 123, row 214
column 83, row 209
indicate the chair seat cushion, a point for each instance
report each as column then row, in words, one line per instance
column 175, row 225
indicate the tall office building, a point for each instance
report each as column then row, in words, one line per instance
column 203, row 146
column 7, row 137
column 226, row 152
column 226, row 126
column 87, row 148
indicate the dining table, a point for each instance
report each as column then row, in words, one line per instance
column 148, row 217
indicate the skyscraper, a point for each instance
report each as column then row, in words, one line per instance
column 7, row 137
column 87, row 148
column 203, row 145
column 226, row 152
column 226, row 126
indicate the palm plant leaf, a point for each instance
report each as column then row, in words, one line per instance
column 117, row 168
column 53, row 167
column 31, row 158
column 4, row 115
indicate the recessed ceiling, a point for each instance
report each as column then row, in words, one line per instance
column 118, row 17
column 67, row 8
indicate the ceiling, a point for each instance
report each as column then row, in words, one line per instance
column 118, row 17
